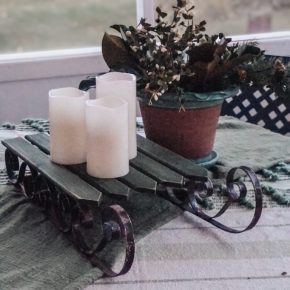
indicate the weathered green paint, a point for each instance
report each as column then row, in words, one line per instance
column 107, row 186
column 170, row 159
column 40, row 140
column 59, row 175
column 153, row 164
column 155, row 169
column 139, row 181
column 134, row 179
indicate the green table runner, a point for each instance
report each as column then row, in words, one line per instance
column 35, row 255
column 239, row 143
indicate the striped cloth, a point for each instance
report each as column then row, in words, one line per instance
column 188, row 253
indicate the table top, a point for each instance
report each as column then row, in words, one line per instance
column 188, row 253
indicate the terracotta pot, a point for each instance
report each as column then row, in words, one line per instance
column 190, row 133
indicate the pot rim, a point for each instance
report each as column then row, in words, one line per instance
column 191, row 99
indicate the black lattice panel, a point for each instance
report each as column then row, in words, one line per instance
column 259, row 105
column 262, row 107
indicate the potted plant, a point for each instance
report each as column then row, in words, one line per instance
column 184, row 74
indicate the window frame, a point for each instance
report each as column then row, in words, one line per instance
column 86, row 61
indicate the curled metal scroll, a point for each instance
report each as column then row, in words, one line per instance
column 116, row 224
column 73, row 217
column 189, row 198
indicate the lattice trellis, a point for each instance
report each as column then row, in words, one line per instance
column 262, row 107
column 259, row 105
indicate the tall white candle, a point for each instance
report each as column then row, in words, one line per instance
column 67, row 125
column 107, row 137
column 121, row 85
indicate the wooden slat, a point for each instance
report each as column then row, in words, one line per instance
column 153, row 164
column 41, row 140
column 143, row 163
column 135, row 179
column 139, row 181
column 170, row 159
column 59, row 175
column 156, row 170
column 109, row 186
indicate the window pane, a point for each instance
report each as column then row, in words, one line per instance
column 240, row 16
column 28, row 25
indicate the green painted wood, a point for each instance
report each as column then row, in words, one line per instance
column 142, row 163
column 59, row 175
column 168, row 158
column 154, row 164
column 111, row 187
column 41, row 140
column 156, row 170
column 139, row 181
column 134, row 179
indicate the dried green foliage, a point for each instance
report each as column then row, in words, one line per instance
column 177, row 55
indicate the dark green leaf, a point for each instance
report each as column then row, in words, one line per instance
column 214, row 38
column 116, row 27
column 202, row 23
column 187, row 17
column 251, row 49
column 145, row 24
column 177, row 19
column 175, row 16
column 181, row 3
column 119, row 27
column 132, row 28
column 160, row 13
column 191, row 8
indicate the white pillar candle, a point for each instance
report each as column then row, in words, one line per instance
column 121, row 85
column 67, row 125
column 107, row 137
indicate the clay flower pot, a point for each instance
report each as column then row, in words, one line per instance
column 189, row 132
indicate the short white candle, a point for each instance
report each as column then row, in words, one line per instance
column 67, row 125
column 107, row 137
column 121, row 85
